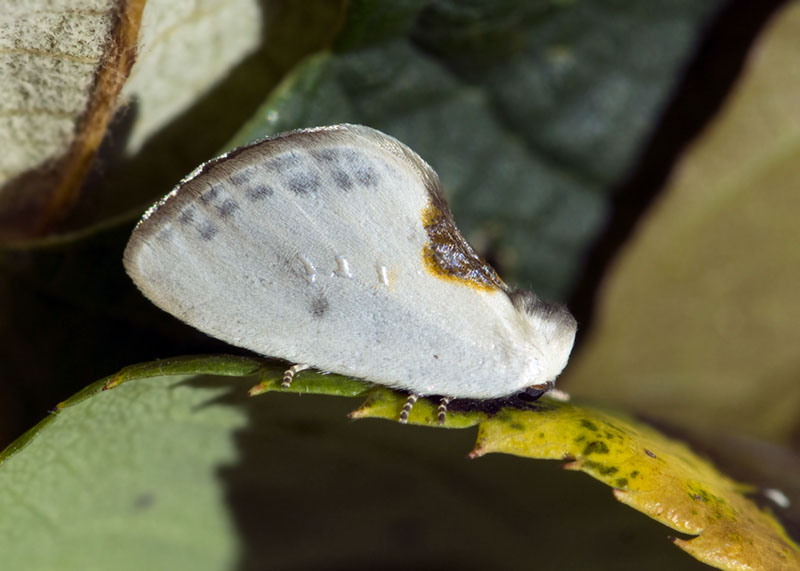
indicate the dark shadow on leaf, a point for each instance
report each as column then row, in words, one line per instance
column 312, row 490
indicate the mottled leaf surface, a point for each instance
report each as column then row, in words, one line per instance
column 171, row 463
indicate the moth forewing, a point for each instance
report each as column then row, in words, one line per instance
column 334, row 247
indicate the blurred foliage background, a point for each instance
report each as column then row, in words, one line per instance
column 635, row 160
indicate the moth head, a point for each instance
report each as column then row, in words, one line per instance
column 552, row 330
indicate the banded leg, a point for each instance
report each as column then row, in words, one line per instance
column 289, row 374
column 412, row 398
column 442, row 416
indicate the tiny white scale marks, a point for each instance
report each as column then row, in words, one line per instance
column 383, row 274
column 310, row 272
column 342, row 267
column 325, row 220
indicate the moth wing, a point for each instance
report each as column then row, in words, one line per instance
column 311, row 246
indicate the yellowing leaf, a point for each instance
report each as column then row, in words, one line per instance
column 648, row 471
column 653, row 474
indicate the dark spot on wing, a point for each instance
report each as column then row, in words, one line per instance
column 243, row 176
column 211, row 194
column 284, row 162
column 319, row 306
column 367, row 175
column 258, row 191
column 302, row 182
column 361, row 166
column 327, row 158
column 227, row 207
column 249, row 179
column 324, row 155
column 346, row 164
column 187, row 216
column 342, row 179
column 298, row 175
column 207, row 230
column 218, row 202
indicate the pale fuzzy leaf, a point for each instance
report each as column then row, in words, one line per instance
column 63, row 65
column 184, row 48
column 48, row 61
column 52, row 58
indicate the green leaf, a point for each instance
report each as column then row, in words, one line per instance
column 159, row 464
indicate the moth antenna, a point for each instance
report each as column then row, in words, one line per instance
column 289, row 374
column 412, row 398
column 442, row 416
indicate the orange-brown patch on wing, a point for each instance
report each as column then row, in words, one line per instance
column 448, row 256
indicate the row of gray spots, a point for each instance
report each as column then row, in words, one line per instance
column 344, row 164
column 187, row 215
column 294, row 172
column 192, row 216
column 205, row 228
column 248, row 178
column 327, row 158
column 345, row 167
column 364, row 170
column 217, row 203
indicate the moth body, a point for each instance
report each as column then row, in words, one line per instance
column 334, row 247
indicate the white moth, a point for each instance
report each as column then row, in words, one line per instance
column 334, row 248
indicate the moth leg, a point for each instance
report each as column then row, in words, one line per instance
column 442, row 416
column 412, row 398
column 290, row 373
